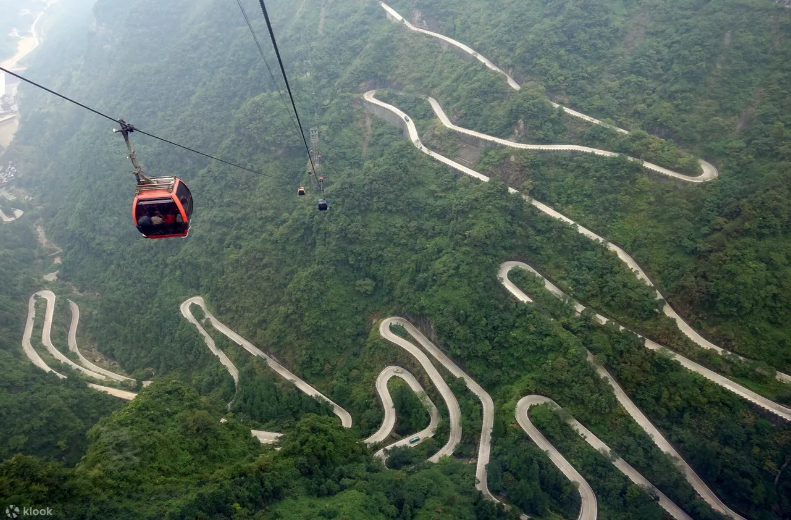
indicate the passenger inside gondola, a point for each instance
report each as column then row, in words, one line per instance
column 160, row 217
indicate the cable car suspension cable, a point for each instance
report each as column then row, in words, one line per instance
column 266, row 63
column 135, row 129
column 288, row 87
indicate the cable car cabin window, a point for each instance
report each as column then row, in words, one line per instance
column 185, row 197
column 159, row 217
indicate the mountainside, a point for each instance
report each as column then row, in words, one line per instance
column 405, row 236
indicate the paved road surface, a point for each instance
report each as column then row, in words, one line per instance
column 588, row 511
column 487, row 405
column 25, row 45
column 266, row 437
column 712, row 376
column 345, row 417
column 47, row 340
column 17, row 212
column 388, row 423
column 709, row 171
column 522, row 416
column 622, row 255
column 415, row 139
column 75, row 321
column 227, row 363
column 695, row 481
column 121, row 394
column 36, row 359
column 454, row 411
column 27, row 346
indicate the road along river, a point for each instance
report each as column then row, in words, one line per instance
column 25, row 46
column 407, row 123
column 709, row 171
column 639, row 417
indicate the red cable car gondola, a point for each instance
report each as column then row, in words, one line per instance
column 162, row 207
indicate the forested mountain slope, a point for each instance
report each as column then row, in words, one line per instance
column 712, row 76
column 404, row 236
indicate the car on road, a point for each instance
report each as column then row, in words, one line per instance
column 406, row 118
column 414, row 439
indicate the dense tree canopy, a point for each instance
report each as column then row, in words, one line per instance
column 405, row 236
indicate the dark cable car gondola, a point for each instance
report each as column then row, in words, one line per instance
column 162, row 207
column 323, row 206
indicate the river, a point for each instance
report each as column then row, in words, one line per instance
column 8, row 127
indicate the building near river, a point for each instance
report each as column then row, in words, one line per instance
column 7, row 175
column 8, row 101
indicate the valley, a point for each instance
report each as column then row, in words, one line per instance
column 369, row 363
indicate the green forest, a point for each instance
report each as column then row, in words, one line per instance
column 404, row 236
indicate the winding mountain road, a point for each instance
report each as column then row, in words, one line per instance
column 33, row 356
column 588, row 511
column 709, row 171
column 484, row 446
column 452, row 404
column 46, row 339
column 749, row 395
column 388, row 423
column 588, row 507
column 17, row 214
column 75, row 321
column 637, row 415
column 414, row 137
column 226, row 362
column 343, row 415
column 694, row 480
column 27, row 346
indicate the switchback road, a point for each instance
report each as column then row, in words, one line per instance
column 763, row 402
column 343, row 415
column 75, row 321
column 709, row 171
column 694, row 480
column 414, row 137
column 588, row 511
column 388, row 423
column 484, row 446
column 451, row 403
